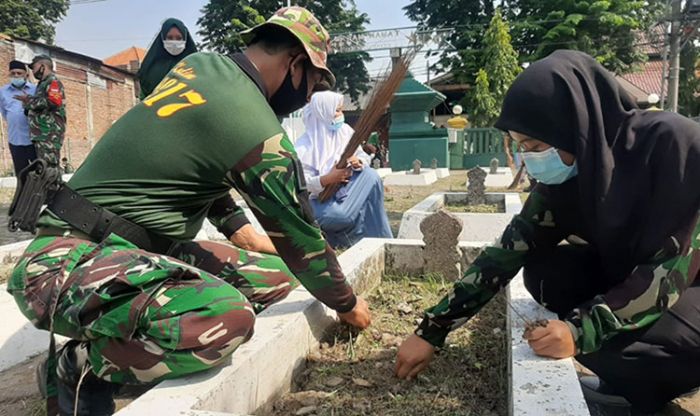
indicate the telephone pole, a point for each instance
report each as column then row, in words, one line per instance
column 675, row 55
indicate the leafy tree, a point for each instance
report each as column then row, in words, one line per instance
column 470, row 18
column 32, row 19
column 485, row 109
column 222, row 20
column 500, row 59
column 609, row 30
column 688, row 83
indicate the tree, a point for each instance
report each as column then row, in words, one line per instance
column 222, row 20
column 608, row 30
column 689, row 84
column 32, row 19
column 469, row 18
column 500, row 59
column 485, row 110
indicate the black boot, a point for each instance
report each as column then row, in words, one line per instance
column 95, row 396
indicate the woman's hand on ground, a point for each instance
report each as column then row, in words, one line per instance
column 413, row 357
column 359, row 317
column 336, row 176
column 355, row 163
column 554, row 341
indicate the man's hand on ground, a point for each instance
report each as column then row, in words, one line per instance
column 554, row 341
column 414, row 355
column 248, row 239
column 359, row 317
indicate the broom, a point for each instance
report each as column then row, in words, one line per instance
column 378, row 102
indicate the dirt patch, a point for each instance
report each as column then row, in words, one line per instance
column 19, row 395
column 496, row 208
column 352, row 374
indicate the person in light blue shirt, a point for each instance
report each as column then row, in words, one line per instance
column 21, row 147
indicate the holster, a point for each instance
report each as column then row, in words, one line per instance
column 36, row 184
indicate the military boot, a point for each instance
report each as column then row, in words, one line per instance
column 94, row 395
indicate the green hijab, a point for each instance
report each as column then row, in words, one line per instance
column 158, row 62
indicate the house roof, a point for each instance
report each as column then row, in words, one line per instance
column 647, row 79
column 126, row 56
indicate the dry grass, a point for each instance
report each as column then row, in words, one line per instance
column 352, row 374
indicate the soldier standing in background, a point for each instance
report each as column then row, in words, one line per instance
column 46, row 111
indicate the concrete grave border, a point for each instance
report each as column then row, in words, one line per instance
column 476, row 226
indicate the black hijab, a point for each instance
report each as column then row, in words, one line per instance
column 158, row 62
column 638, row 182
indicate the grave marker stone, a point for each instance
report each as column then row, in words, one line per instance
column 475, row 186
column 441, row 254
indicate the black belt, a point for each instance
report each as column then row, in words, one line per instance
column 99, row 222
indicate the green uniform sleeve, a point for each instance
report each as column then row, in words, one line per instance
column 40, row 100
column 534, row 228
column 638, row 301
column 271, row 181
column 227, row 216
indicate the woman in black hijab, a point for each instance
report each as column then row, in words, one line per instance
column 622, row 187
column 172, row 44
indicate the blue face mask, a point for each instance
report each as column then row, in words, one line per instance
column 18, row 82
column 547, row 167
column 338, row 122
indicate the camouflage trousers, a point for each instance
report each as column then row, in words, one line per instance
column 147, row 317
column 49, row 150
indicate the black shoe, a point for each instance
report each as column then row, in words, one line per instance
column 95, row 396
column 595, row 391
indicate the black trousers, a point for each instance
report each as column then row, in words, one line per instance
column 650, row 366
column 22, row 156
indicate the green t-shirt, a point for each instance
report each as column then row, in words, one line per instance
column 164, row 162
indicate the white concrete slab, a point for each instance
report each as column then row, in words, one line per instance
column 383, row 172
column 475, row 226
column 19, row 340
column 9, row 252
column 539, row 386
column 501, row 179
column 425, row 178
column 262, row 369
column 11, row 181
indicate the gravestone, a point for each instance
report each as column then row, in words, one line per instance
column 376, row 164
column 441, row 254
column 475, row 186
column 433, row 164
column 494, row 166
column 416, row 167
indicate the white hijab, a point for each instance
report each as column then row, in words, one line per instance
column 320, row 147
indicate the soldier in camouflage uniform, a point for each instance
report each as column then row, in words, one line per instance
column 46, row 111
column 137, row 316
column 609, row 239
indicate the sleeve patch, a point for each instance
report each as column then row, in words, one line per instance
column 54, row 93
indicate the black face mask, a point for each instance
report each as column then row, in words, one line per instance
column 287, row 99
column 39, row 73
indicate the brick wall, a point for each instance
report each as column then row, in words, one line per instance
column 91, row 107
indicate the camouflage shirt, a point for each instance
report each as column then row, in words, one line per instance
column 171, row 161
column 46, row 111
column 637, row 301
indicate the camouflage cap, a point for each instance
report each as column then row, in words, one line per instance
column 305, row 27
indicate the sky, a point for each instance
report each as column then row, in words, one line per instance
column 105, row 27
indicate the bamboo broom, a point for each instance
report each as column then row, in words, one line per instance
column 380, row 99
